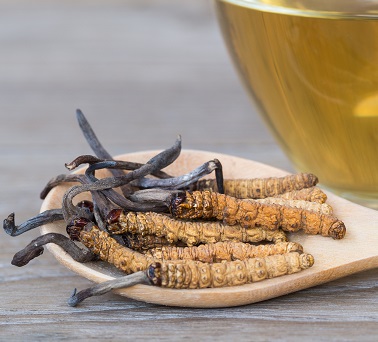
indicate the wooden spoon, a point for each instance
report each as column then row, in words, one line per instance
column 358, row 251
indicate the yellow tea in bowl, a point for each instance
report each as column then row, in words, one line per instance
column 311, row 68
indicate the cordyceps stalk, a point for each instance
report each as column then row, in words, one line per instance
column 248, row 213
column 187, row 274
column 189, row 232
column 158, row 162
column 260, row 187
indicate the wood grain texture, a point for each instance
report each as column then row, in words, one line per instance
column 142, row 71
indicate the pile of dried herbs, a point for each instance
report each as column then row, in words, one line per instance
column 180, row 231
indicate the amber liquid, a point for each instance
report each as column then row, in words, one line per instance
column 315, row 82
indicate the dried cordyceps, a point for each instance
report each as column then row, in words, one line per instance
column 196, row 275
column 220, row 251
column 176, row 273
column 141, row 243
column 108, row 249
column 191, row 274
column 179, row 252
column 313, row 194
column 189, row 232
column 248, row 213
column 260, row 187
column 102, row 244
column 320, row 208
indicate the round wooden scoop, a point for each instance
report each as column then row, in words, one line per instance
column 358, row 251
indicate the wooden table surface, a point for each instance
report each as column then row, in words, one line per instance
column 142, row 71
